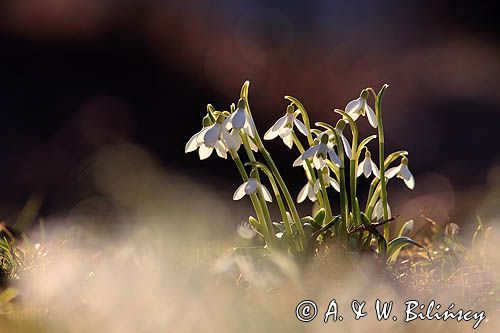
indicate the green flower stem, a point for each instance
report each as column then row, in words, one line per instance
column 279, row 200
column 268, row 236
column 389, row 159
column 311, row 173
column 263, row 203
column 353, row 164
column 276, row 173
column 344, row 205
column 328, row 209
column 286, row 193
column 381, row 142
column 305, row 117
column 371, row 205
column 373, row 185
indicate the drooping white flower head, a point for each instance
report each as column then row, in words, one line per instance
column 345, row 142
column 332, row 140
column 329, row 181
column 251, row 186
column 402, row 171
column 284, row 127
column 367, row 166
column 360, row 107
column 211, row 137
column 306, row 192
column 378, row 211
column 318, row 154
column 240, row 119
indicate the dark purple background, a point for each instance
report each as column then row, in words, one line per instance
column 75, row 75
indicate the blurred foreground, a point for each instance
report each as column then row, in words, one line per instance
column 170, row 267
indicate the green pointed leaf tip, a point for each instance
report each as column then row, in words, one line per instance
column 244, row 90
column 319, row 218
column 398, row 243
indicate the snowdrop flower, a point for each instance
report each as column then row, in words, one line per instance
column 212, row 137
column 378, row 211
column 251, row 186
column 245, row 230
column 240, row 119
column 345, row 143
column 284, row 127
column 306, row 192
column 367, row 166
column 329, row 181
column 194, row 143
column 331, row 141
column 318, row 154
column 360, row 106
column 402, row 171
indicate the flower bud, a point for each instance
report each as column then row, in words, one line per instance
column 220, row 119
column 324, row 138
column 242, row 103
column 340, row 125
column 207, row 121
column 364, row 94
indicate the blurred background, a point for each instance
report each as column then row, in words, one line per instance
column 79, row 76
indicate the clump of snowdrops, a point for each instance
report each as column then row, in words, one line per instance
column 333, row 157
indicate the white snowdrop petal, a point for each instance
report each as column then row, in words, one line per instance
column 240, row 191
column 334, row 184
column 310, row 152
column 333, row 156
column 288, row 140
column 371, row 116
column 274, row 130
column 298, row 161
column 239, row 118
column 347, row 146
column 303, row 193
column 266, row 194
column 377, row 211
column 221, row 150
column 405, row 172
column 375, row 171
column 192, row 144
column 360, row 168
column 204, row 152
column 212, row 135
column 251, row 186
column 279, row 123
column 318, row 163
column 270, row 134
column 353, row 106
column 249, row 126
column 392, row 171
column 410, row 182
column 316, row 186
column 367, row 169
column 253, row 146
column 228, row 122
column 300, row 126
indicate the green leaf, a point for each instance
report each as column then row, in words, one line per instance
column 320, row 217
column 8, row 295
column 397, row 244
column 255, row 224
column 406, row 229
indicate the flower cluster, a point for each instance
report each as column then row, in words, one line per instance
column 330, row 160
